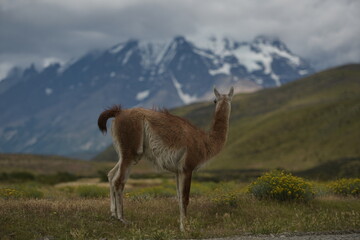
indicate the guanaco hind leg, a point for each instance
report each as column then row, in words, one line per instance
column 128, row 142
column 119, row 183
column 111, row 176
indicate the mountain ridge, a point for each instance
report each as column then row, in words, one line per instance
column 54, row 110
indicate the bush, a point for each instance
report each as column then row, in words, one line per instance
column 202, row 188
column 92, row 191
column 20, row 192
column 22, row 176
column 350, row 169
column 226, row 194
column 4, row 176
column 30, row 192
column 226, row 199
column 17, row 177
column 53, row 179
column 103, row 176
column 10, row 193
column 346, row 187
column 281, row 186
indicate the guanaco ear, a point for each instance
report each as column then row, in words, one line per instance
column 231, row 92
column 217, row 94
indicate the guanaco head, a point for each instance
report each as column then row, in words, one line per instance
column 220, row 98
column 223, row 101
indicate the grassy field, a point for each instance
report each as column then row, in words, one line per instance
column 309, row 127
column 72, row 211
column 298, row 126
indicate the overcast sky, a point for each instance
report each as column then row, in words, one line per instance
column 326, row 32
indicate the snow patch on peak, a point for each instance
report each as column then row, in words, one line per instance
column 142, row 95
column 303, row 72
column 276, row 79
column 270, row 50
column 10, row 134
column 66, row 65
column 87, row 145
column 152, row 53
column 253, row 55
column 127, row 56
column 265, row 39
column 48, row 91
column 216, row 45
column 31, row 141
column 167, row 56
column 52, row 60
column 186, row 98
column 4, row 70
column 225, row 69
column 252, row 60
column 117, row 48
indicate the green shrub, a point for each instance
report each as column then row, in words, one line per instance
column 281, row 186
column 321, row 189
column 31, row 192
column 346, row 187
column 20, row 192
column 68, row 190
column 226, row 194
column 22, row 177
column 202, row 188
column 350, row 169
column 10, row 193
column 226, row 198
column 4, row 176
column 103, row 176
column 17, row 177
column 53, row 179
column 92, row 191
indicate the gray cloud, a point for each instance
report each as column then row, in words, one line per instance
column 325, row 32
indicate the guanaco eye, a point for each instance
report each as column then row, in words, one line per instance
column 215, row 101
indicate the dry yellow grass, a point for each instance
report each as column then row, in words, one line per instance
column 157, row 218
column 130, row 184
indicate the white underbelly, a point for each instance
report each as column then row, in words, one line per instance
column 160, row 155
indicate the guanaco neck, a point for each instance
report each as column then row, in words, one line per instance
column 219, row 130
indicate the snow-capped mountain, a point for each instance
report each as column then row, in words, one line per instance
column 268, row 62
column 54, row 111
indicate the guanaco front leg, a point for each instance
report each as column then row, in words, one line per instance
column 184, row 184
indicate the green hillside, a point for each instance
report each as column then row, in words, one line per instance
column 298, row 126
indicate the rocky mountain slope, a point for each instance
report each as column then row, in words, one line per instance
column 54, row 110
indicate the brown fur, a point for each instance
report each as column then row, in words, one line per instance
column 192, row 146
